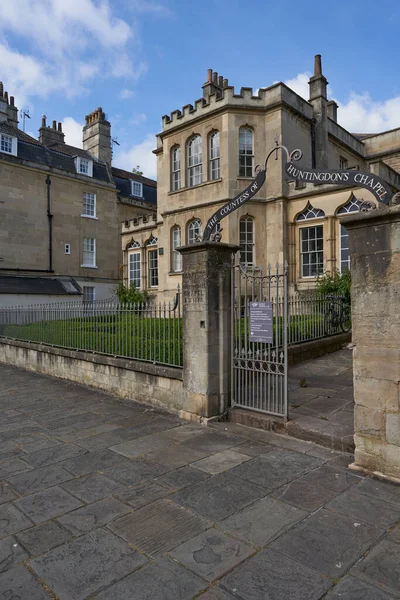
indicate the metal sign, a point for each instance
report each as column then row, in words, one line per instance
column 261, row 322
column 376, row 185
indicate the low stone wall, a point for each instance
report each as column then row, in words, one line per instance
column 299, row 352
column 130, row 379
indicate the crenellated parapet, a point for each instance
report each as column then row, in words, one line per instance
column 138, row 222
column 226, row 96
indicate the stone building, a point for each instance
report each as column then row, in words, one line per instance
column 207, row 153
column 61, row 210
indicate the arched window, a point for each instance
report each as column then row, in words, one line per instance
column 194, row 230
column 214, row 156
column 246, row 152
column 176, row 168
column 352, row 206
column 195, row 167
column 311, row 243
column 152, row 261
column 176, row 257
column 134, row 264
column 246, row 241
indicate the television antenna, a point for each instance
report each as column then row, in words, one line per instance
column 25, row 115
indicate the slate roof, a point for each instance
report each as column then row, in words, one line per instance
column 18, row 133
column 21, row 284
column 70, row 150
column 122, row 174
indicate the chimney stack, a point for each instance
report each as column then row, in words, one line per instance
column 214, row 84
column 8, row 112
column 48, row 136
column 97, row 136
column 318, row 98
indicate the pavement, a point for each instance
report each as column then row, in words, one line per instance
column 110, row 500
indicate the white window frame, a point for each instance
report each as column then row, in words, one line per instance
column 136, row 189
column 176, row 241
column 194, row 229
column 246, row 241
column 152, row 267
column 317, row 251
column 246, row 152
column 85, row 288
column 176, row 168
column 89, row 254
column 79, row 162
column 194, row 161
column 214, row 153
column 67, row 249
column 92, row 205
column 10, row 142
column 135, row 270
column 352, row 206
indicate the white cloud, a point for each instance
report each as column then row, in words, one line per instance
column 73, row 132
column 299, row 84
column 140, row 154
column 137, row 119
column 125, row 94
column 68, row 43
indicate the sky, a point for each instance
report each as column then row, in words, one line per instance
column 141, row 59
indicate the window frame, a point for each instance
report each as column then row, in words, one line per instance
column 9, row 139
column 243, row 251
column 136, row 252
column 78, row 165
column 94, row 198
column 176, row 257
column 190, row 229
column 152, row 267
column 353, row 205
column 88, row 287
column 214, row 161
column 176, row 177
column 140, row 186
column 310, row 252
column 93, row 253
column 247, row 167
column 194, row 169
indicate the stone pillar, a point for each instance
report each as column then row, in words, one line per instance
column 206, row 294
column 374, row 240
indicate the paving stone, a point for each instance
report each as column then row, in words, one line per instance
column 79, row 568
column 185, row 432
column 175, row 456
column 94, row 515
column 12, row 520
column 381, row 490
column 159, row 527
column 92, row 487
column 53, row 455
column 135, row 471
column 327, row 542
column 92, row 462
column 20, row 584
column 12, row 467
column 211, row 442
column 351, row 588
column 221, row 461
column 382, row 567
column 159, row 424
column 47, row 504
column 272, row 576
column 142, row 445
column 394, row 535
column 34, row 480
column 143, row 494
column 326, row 406
column 215, row 593
column 161, row 580
column 6, row 494
column 365, row 508
column 276, row 468
column 108, row 439
column 11, row 553
column 254, row 448
column 42, row 538
column 211, row 554
column 263, row 521
column 37, row 443
column 219, row 496
column 87, row 433
column 182, row 478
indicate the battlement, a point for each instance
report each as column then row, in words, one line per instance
column 138, row 222
column 225, row 96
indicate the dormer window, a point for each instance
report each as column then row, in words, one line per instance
column 8, row 144
column 137, row 189
column 84, row 166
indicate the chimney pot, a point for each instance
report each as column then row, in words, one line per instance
column 209, row 75
column 1, row 88
column 43, row 120
column 60, row 127
column 55, row 125
column 12, row 100
column 225, row 83
column 215, row 78
column 220, row 81
column 317, row 65
column 6, row 96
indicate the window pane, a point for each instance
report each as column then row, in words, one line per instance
column 6, row 144
column 153, row 268
column 134, row 269
column 311, row 250
column 246, row 241
column 195, row 161
column 89, row 252
column 194, row 230
column 176, row 168
column 88, row 293
column 246, row 154
column 214, row 156
column 89, row 204
column 137, row 189
column 176, row 256
column 83, row 166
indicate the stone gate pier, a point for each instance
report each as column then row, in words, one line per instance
column 374, row 239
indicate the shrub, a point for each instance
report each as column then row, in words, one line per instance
column 130, row 295
column 337, row 283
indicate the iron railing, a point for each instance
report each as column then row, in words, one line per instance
column 149, row 331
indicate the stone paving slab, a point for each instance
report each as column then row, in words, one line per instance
column 93, row 515
column 92, row 462
column 12, row 520
column 19, row 584
column 53, row 455
column 134, row 471
column 211, row 442
column 351, row 588
column 381, row 567
column 6, row 493
column 211, row 554
column 86, row 565
column 216, row 593
column 47, row 504
column 366, row 508
column 92, row 487
column 35, row 480
column 220, row 462
column 143, row 494
column 182, row 478
column 175, row 456
column 11, row 554
column 42, row 538
column 142, row 445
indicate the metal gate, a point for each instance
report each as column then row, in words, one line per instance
column 259, row 369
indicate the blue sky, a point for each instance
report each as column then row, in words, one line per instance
column 140, row 59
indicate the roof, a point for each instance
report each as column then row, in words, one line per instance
column 70, row 150
column 122, row 174
column 22, row 284
column 18, row 133
column 363, row 136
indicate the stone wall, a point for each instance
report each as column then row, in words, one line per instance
column 130, row 379
column 375, row 258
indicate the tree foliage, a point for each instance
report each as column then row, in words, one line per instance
column 130, row 295
column 137, row 170
column 337, row 283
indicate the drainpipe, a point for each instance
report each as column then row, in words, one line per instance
column 50, row 217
